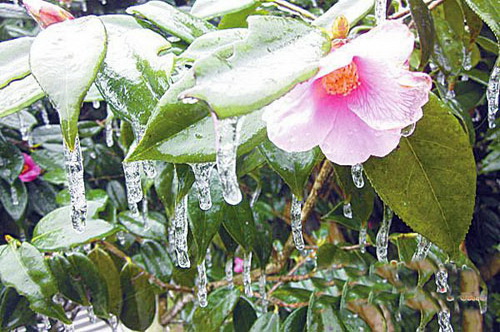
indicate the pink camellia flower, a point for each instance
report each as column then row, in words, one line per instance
column 30, row 169
column 45, row 13
column 238, row 265
column 358, row 102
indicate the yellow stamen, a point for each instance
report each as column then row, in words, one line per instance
column 342, row 81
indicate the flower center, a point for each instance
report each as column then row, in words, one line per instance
column 25, row 168
column 342, row 81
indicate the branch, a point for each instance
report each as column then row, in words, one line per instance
column 300, row 11
column 179, row 305
column 431, row 4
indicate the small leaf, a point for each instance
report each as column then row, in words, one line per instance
column 156, row 260
column 15, row 205
column 14, row 62
column 425, row 28
column 321, row 317
column 353, row 10
column 211, row 8
column 11, row 159
column 430, row 181
column 267, row 322
column 151, row 226
column 25, row 269
column 244, row 315
column 68, row 54
column 220, row 304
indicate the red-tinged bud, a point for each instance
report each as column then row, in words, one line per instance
column 45, row 13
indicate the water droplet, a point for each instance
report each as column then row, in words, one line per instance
column 380, row 11
column 442, row 279
column 382, row 240
column 93, row 155
column 202, row 172
column 181, row 233
column 96, row 104
column 362, row 239
column 229, row 271
column 450, row 94
column 74, row 171
column 357, row 175
column 104, row 2
column 14, row 196
column 120, row 237
column 347, row 210
column 84, row 6
column 296, row 223
column 423, row 246
column 109, row 128
column 202, row 285
column 133, row 184
column 476, row 117
column 247, row 277
column 227, row 137
column 408, row 130
column 492, row 94
column 262, row 291
column 444, row 321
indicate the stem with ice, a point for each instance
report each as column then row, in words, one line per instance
column 202, row 173
column 362, row 238
column 133, row 184
column 202, row 285
column 296, row 221
column 423, row 246
column 492, row 94
column 442, row 279
column 74, row 171
column 382, row 240
column 347, row 210
column 229, row 271
column 247, row 277
column 380, row 11
column 181, row 233
column 109, row 127
column 262, row 290
column 444, row 321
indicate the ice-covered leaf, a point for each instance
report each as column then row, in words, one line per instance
column 212, row 8
column 353, row 10
column 19, row 94
column 156, row 260
column 244, row 315
column 277, row 54
column 24, row 269
column 239, row 223
column 296, row 321
column 267, row 322
column 213, row 42
column 489, row 12
column 151, row 226
column 11, row 161
column 14, row 63
column 171, row 20
column 220, row 304
column 68, row 55
column 430, row 181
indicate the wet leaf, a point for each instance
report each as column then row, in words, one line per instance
column 14, row 62
column 220, row 304
column 151, row 226
column 14, row 310
column 489, row 12
column 213, row 42
column 15, row 205
column 156, row 259
column 425, row 28
column 211, row 8
column 267, row 322
column 244, row 315
column 239, row 223
column 19, row 94
column 11, row 159
column 296, row 321
column 321, row 317
column 353, row 10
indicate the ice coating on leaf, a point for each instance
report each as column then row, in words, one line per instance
column 14, row 196
column 247, row 277
column 181, row 233
column 442, row 280
column 227, row 132
column 229, row 271
column 380, row 11
column 423, row 246
column 133, row 184
column 262, row 291
column 202, row 173
column 444, row 321
column 109, row 128
column 357, row 175
column 492, row 94
column 296, row 222
column 202, row 285
column 362, row 238
column 382, row 240
column 347, row 210
column 74, row 171
column 407, row 131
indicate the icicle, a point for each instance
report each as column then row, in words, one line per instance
column 14, row 196
column 362, row 239
column 46, row 326
column 483, row 301
column 296, row 221
column 442, row 280
column 208, row 258
column 423, row 246
column 74, row 171
column 120, row 237
column 113, row 322
column 347, row 210
column 357, row 175
column 229, row 272
column 181, row 233
column 227, row 133
column 444, row 321
column 380, row 11
column 145, row 211
column 450, row 94
column 104, row 2
column 109, row 128
column 467, row 63
column 23, row 128
column 202, row 285
column 133, row 184
column 492, row 94
column 84, row 6
column 93, row 155
column 96, row 104
column 202, row 173
column 69, row 327
column 476, row 117
column 255, row 195
column 247, row 277
column 408, row 130
column 383, row 235
column 262, row 291
column 189, row 100
column 91, row 314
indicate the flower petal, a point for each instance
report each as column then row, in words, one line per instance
column 388, row 97
column 351, row 141
column 299, row 120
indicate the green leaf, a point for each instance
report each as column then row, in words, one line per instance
column 267, row 322
column 296, row 321
column 220, row 304
column 15, row 205
column 321, row 317
column 425, row 28
column 156, row 260
column 14, row 62
column 14, row 310
column 139, row 304
column 277, row 54
column 171, row 20
column 331, row 255
column 25, row 269
column 42, row 197
column 211, row 8
column 239, row 223
column 244, row 315
column 19, row 94
column 55, row 232
column 293, row 167
column 213, row 42
column 68, row 54
column 353, row 10
column 152, row 226
column 430, row 181
column 111, row 276
column 489, row 12
column 11, row 159
column 68, row 284
column 117, row 194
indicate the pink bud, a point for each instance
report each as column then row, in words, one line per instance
column 45, row 13
column 30, row 169
column 238, row 265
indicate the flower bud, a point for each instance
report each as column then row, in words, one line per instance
column 340, row 28
column 45, row 13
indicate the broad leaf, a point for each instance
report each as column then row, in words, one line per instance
column 220, row 304
column 68, row 55
column 151, row 226
column 171, row 20
column 11, row 161
column 489, row 12
column 156, row 260
column 267, row 322
column 425, row 28
column 14, row 198
column 277, row 54
column 212, row 8
column 239, row 223
column 14, row 62
column 55, row 232
column 296, row 321
column 293, row 167
column 353, row 10
column 213, row 42
column 19, row 94
column 25, row 269
column 430, row 181
column 244, row 315
column 321, row 317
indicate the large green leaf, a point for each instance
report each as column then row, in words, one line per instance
column 68, row 55
column 430, row 181
column 139, row 304
column 14, row 63
column 239, row 223
column 54, row 231
column 353, row 10
column 296, row 321
column 212, row 8
column 267, row 322
column 11, row 160
column 321, row 317
column 489, row 12
column 156, row 260
column 244, row 315
column 14, row 204
column 425, row 28
column 25, row 269
column 171, row 20
column 277, row 54
column 220, row 304
column 293, row 167
column 19, row 94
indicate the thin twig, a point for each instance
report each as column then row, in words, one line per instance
column 430, row 4
column 179, row 305
column 290, row 6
